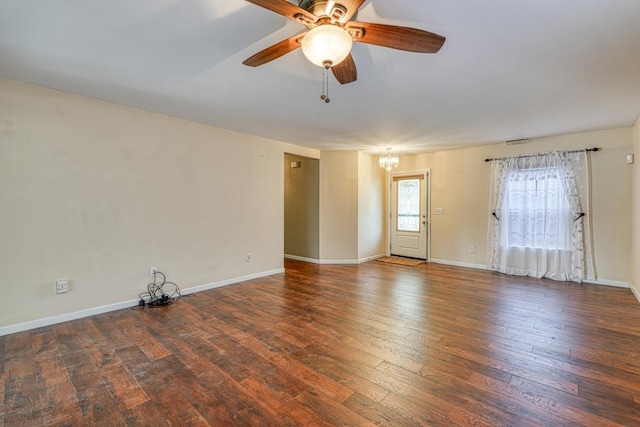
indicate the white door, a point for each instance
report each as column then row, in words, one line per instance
column 408, row 226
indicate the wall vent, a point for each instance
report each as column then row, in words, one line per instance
column 518, row 141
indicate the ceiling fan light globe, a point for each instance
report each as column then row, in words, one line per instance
column 326, row 44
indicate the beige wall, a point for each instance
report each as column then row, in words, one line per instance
column 301, row 207
column 371, row 207
column 635, row 214
column 338, row 206
column 97, row 193
column 352, row 206
column 460, row 185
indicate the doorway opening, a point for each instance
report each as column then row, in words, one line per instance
column 409, row 222
column 301, row 208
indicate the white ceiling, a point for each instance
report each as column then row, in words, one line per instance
column 509, row 69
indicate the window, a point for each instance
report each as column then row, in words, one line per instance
column 535, row 210
column 537, row 227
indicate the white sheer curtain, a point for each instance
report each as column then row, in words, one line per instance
column 537, row 223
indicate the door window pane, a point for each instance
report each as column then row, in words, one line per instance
column 408, row 205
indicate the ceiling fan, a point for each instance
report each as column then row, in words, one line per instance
column 331, row 31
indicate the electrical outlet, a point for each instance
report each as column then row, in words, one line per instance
column 249, row 257
column 472, row 249
column 153, row 271
column 62, row 286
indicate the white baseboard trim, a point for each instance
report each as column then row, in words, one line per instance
column 339, row 261
column 334, row 261
column 635, row 292
column 370, row 258
column 303, row 259
column 232, row 281
column 459, row 264
column 606, row 282
column 603, row 282
column 48, row 321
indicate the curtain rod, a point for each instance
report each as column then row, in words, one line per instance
column 532, row 155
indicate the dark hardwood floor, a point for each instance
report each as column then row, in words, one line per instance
column 374, row 344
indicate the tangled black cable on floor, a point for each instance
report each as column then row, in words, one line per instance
column 159, row 294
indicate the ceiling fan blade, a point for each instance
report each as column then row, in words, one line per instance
column 345, row 72
column 284, row 8
column 403, row 38
column 351, row 7
column 275, row 51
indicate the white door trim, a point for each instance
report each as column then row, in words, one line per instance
column 427, row 188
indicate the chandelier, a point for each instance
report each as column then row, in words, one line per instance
column 389, row 161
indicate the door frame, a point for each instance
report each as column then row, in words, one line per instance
column 426, row 193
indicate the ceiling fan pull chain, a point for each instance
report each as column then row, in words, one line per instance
column 326, row 74
column 325, row 84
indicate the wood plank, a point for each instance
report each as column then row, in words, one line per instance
column 477, row 400
column 379, row 414
column 367, row 344
column 554, row 413
column 419, row 407
column 62, row 406
column 336, row 370
column 332, row 412
column 288, row 362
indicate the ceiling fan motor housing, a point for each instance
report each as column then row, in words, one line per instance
column 319, row 8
